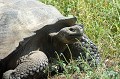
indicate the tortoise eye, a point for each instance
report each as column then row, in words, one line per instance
column 71, row 29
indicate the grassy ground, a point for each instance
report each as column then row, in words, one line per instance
column 101, row 19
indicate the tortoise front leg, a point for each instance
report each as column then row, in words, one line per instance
column 30, row 66
column 85, row 49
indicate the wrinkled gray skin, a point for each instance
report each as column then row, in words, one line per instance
column 29, row 66
column 30, row 33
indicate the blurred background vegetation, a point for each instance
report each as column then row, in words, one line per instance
column 101, row 20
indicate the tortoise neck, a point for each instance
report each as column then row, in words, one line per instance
column 58, row 45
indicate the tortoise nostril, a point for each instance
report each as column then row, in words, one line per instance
column 71, row 29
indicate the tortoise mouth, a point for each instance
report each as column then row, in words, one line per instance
column 75, row 35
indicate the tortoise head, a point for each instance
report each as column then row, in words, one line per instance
column 68, row 35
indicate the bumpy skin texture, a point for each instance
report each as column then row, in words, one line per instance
column 84, row 49
column 29, row 66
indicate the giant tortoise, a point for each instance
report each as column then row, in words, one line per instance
column 30, row 34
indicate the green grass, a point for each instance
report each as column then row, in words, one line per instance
column 101, row 19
